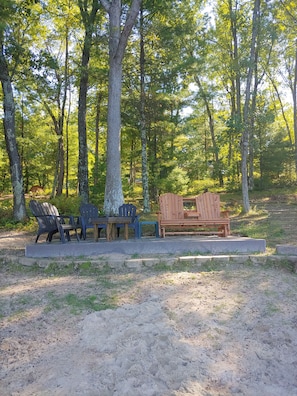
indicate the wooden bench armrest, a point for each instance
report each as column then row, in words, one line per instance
column 191, row 214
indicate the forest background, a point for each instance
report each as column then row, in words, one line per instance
column 206, row 89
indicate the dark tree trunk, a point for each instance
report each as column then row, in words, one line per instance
column 145, row 178
column 89, row 22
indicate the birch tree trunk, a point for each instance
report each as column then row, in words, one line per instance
column 19, row 207
column 117, row 44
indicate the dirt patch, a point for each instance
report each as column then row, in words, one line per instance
column 231, row 331
column 228, row 331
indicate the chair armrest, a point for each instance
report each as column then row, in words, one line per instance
column 159, row 216
column 65, row 219
column 191, row 214
column 48, row 216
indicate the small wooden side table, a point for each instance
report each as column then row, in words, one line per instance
column 111, row 223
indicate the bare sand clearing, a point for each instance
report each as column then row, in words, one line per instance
column 230, row 331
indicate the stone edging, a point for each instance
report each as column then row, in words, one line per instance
column 137, row 264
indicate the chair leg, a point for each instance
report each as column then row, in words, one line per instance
column 68, row 236
column 76, row 234
column 62, row 235
column 137, row 231
column 82, row 234
column 157, row 230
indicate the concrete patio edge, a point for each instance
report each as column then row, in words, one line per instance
column 148, row 246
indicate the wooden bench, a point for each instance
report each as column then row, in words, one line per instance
column 206, row 218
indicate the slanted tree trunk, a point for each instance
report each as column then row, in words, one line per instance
column 19, row 207
column 117, row 44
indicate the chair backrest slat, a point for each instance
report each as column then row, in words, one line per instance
column 88, row 212
column 127, row 210
column 208, row 205
column 171, row 206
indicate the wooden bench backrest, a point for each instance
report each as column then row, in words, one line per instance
column 171, row 206
column 208, row 205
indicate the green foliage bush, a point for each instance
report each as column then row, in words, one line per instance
column 6, row 212
column 67, row 205
column 176, row 182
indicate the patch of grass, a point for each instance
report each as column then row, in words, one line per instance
column 211, row 266
column 79, row 304
column 55, row 269
column 85, row 266
column 89, row 303
column 281, row 264
column 54, row 302
column 162, row 267
column 106, row 283
column 18, row 315
column 83, row 269
column 271, row 309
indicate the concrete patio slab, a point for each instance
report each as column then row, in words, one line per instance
column 149, row 246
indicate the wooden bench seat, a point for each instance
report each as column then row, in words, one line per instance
column 207, row 217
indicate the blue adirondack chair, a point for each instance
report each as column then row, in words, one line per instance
column 87, row 213
column 51, row 222
column 129, row 210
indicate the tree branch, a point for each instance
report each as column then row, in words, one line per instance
column 131, row 17
column 106, row 4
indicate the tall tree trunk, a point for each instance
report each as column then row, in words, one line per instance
column 211, row 128
column 144, row 162
column 117, row 44
column 254, row 102
column 236, row 112
column 58, row 123
column 67, row 145
column 61, row 174
column 113, row 188
column 97, row 130
column 247, row 110
column 295, row 106
column 233, row 20
column 83, row 172
column 19, row 207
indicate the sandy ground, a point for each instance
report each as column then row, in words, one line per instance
column 229, row 331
